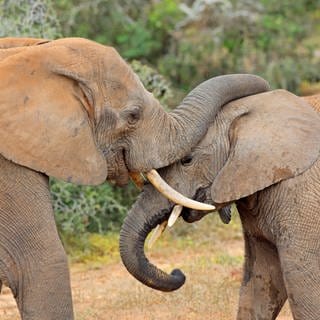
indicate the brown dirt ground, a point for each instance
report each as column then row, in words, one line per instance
column 212, row 264
column 109, row 292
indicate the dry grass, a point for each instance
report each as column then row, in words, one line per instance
column 209, row 253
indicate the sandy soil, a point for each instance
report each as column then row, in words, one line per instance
column 109, row 292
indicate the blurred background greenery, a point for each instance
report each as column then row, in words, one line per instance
column 173, row 45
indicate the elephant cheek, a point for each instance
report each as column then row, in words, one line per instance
column 117, row 171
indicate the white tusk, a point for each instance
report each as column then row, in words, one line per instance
column 157, row 233
column 174, row 215
column 173, row 195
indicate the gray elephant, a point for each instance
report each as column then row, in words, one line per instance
column 73, row 109
column 261, row 152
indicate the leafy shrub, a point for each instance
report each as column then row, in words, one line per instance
column 190, row 41
column 262, row 37
column 139, row 29
column 31, row 18
column 81, row 209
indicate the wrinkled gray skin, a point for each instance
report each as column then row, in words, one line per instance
column 91, row 98
column 261, row 152
column 73, row 109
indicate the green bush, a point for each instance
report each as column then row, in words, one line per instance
column 190, row 41
column 139, row 29
column 81, row 209
column 268, row 38
column 28, row 18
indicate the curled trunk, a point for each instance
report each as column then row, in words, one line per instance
column 174, row 136
column 134, row 231
column 176, row 132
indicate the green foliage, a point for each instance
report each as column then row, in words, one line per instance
column 154, row 82
column 82, row 209
column 261, row 37
column 138, row 29
column 92, row 247
column 190, row 41
column 31, row 18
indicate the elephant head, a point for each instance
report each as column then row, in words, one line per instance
column 253, row 143
column 74, row 109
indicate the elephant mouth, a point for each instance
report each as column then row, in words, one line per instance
column 191, row 215
column 118, row 172
column 188, row 214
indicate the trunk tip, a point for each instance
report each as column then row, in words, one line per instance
column 179, row 277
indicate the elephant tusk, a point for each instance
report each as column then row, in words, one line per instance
column 173, row 195
column 174, row 215
column 157, row 233
column 137, row 178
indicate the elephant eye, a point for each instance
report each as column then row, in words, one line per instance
column 186, row 160
column 133, row 115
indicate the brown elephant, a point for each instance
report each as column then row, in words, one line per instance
column 261, row 153
column 314, row 101
column 73, row 109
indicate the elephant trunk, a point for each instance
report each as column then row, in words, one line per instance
column 133, row 233
column 175, row 133
column 198, row 109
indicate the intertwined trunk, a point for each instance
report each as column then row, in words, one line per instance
column 175, row 134
column 135, row 229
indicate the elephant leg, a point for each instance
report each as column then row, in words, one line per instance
column 301, row 270
column 262, row 293
column 33, row 262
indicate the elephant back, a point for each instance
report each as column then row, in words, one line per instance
column 314, row 101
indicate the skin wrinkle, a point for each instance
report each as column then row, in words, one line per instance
column 119, row 70
column 107, row 81
column 35, row 254
column 59, row 65
column 149, row 145
column 280, row 222
column 271, row 201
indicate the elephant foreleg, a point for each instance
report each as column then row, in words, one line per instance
column 32, row 260
column 262, row 292
column 301, row 270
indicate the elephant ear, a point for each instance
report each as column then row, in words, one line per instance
column 44, row 119
column 278, row 138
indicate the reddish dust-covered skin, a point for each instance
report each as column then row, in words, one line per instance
column 314, row 101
